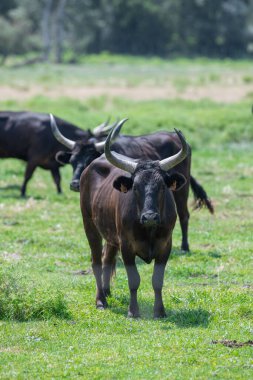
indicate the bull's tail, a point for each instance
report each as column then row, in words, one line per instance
column 113, row 271
column 200, row 197
column 113, row 265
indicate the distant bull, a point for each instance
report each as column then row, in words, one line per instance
column 28, row 136
column 134, row 213
column 155, row 146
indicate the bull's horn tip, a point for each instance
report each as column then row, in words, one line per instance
column 119, row 125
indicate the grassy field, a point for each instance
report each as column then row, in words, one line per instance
column 49, row 327
column 132, row 78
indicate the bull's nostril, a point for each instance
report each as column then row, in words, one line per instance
column 75, row 186
column 150, row 218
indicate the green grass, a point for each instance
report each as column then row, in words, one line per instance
column 49, row 327
column 23, row 303
column 112, row 70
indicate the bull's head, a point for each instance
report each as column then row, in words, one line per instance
column 81, row 153
column 149, row 180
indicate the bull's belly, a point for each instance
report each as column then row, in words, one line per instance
column 147, row 249
column 9, row 154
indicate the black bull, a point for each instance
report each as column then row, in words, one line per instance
column 135, row 214
column 155, row 146
column 28, row 136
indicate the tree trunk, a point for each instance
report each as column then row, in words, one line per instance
column 3, row 59
column 59, row 30
column 46, row 29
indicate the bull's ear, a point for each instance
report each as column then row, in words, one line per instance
column 63, row 157
column 123, row 184
column 175, row 181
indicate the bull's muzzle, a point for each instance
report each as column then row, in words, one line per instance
column 150, row 219
column 75, row 185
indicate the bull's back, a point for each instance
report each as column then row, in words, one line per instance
column 27, row 135
column 19, row 136
column 167, row 144
column 13, row 143
column 154, row 146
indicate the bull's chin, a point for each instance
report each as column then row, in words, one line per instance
column 75, row 188
column 149, row 224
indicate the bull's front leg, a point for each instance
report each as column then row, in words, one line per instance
column 133, row 283
column 157, row 282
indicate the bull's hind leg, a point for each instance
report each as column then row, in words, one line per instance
column 57, row 179
column 109, row 263
column 95, row 242
column 30, row 167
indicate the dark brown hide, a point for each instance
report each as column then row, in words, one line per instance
column 117, row 217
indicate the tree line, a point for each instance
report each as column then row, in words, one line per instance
column 64, row 30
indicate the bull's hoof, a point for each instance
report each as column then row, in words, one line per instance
column 160, row 314
column 131, row 314
column 101, row 305
column 185, row 248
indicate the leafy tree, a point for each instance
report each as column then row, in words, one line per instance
column 16, row 36
column 212, row 27
column 216, row 28
column 6, row 5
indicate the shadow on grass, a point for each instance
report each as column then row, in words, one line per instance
column 10, row 187
column 178, row 252
column 182, row 318
column 6, row 192
column 189, row 317
column 214, row 254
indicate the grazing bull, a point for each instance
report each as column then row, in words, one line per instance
column 28, row 136
column 155, row 146
column 135, row 214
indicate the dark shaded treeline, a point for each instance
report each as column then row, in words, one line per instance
column 66, row 29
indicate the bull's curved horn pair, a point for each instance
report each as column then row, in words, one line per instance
column 116, row 126
column 101, row 128
column 104, row 128
column 64, row 140
column 129, row 165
